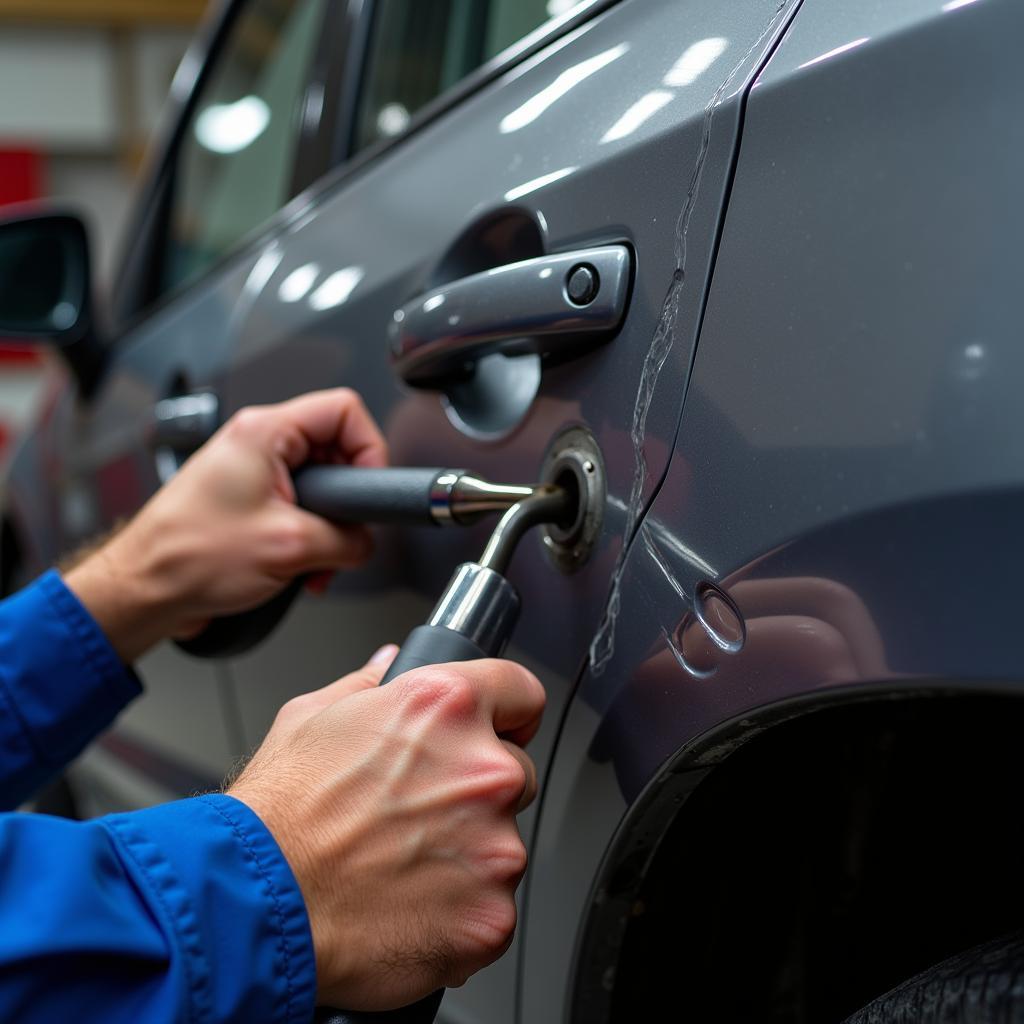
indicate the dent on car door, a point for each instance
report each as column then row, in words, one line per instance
column 229, row 170
column 620, row 131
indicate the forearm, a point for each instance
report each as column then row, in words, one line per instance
column 182, row 912
column 133, row 608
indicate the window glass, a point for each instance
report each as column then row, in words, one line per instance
column 420, row 48
column 234, row 164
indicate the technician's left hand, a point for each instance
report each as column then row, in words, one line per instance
column 225, row 533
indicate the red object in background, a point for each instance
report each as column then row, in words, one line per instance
column 21, row 181
column 21, row 175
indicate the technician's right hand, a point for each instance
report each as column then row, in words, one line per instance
column 395, row 807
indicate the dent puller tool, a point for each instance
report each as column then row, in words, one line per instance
column 474, row 617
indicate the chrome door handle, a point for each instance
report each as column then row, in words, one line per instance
column 179, row 426
column 555, row 306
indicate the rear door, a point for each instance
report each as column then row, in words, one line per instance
column 231, row 166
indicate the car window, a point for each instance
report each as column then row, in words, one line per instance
column 233, row 167
column 420, row 48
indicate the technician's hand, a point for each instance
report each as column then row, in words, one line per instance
column 395, row 808
column 225, row 534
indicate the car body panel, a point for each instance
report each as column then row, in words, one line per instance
column 848, row 461
column 380, row 232
column 622, row 130
column 840, row 466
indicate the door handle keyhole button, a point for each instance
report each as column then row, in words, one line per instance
column 582, row 284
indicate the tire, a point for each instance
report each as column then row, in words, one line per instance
column 983, row 985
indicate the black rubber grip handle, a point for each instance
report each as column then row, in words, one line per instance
column 432, row 645
column 232, row 635
column 342, row 494
column 348, row 494
column 425, row 645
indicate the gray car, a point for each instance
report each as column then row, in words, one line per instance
column 782, row 749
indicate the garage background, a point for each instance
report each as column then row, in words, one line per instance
column 82, row 84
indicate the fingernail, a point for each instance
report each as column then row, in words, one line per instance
column 385, row 655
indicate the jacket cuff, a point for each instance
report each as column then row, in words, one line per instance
column 230, row 904
column 61, row 677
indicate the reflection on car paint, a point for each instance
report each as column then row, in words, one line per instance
column 695, row 60
column 640, row 112
column 834, row 52
column 259, row 277
column 529, row 111
column 336, row 288
column 297, row 285
column 603, row 645
column 531, row 186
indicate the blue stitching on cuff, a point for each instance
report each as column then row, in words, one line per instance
column 265, row 875
column 127, row 841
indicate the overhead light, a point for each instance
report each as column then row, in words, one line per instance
column 559, row 7
column 336, row 288
column 835, row 53
column 392, row 120
column 297, row 284
column 696, row 59
column 230, row 127
column 528, row 112
column 644, row 108
column 531, row 186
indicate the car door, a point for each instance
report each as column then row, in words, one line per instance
column 613, row 125
column 618, row 130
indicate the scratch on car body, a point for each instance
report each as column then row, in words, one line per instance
column 603, row 645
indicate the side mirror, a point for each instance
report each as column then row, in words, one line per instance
column 46, row 288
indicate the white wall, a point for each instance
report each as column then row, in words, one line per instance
column 61, row 90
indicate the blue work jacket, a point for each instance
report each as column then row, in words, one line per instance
column 184, row 912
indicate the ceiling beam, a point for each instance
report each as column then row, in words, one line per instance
column 104, row 12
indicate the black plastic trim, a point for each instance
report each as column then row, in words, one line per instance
column 634, row 846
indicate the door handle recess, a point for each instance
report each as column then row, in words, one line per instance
column 184, row 423
column 555, row 306
column 179, row 426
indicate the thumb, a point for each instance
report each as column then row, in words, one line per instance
column 365, row 678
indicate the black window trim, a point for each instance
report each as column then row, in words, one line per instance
column 346, row 166
column 476, row 80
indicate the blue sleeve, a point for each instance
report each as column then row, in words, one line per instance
column 61, row 683
column 184, row 912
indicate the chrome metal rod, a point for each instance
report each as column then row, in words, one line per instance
column 545, row 504
column 471, row 497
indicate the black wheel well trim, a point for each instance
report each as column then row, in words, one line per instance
column 634, row 846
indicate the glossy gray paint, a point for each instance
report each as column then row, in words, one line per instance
column 845, row 463
column 848, row 460
column 396, row 236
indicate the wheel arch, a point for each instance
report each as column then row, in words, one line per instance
column 643, row 847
